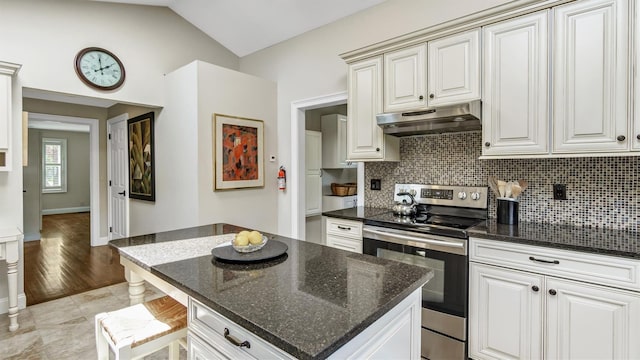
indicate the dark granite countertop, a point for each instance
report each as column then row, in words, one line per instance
column 356, row 213
column 600, row 241
column 308, row 303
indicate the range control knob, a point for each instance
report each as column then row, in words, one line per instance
column 462, row 195
column 475, row 195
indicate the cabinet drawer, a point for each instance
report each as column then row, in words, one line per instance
column 594, row 268
column 346, row 228
column 210, row 325
column 344, row 243
column 197, row 349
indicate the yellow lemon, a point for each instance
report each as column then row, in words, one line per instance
column 241, row 240
column 255, row 238
column 244, row 232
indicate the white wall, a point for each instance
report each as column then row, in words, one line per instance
column 310, row 66
column 45, row 36
column 228, row 92
column 184, row 172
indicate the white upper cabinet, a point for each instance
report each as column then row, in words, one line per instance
column 590, row 86
column 365, row 139
column 405, row 79
column 515, row 112
column 454, row 69
column 334, row 142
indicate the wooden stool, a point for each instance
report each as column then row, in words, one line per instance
column 141, row 329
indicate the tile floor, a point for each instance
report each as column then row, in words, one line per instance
column 64, row 328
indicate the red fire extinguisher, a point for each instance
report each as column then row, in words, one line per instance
column 282, row 179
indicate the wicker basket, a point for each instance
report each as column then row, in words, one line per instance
column 343, row 189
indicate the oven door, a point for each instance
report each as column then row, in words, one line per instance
column 446, row 292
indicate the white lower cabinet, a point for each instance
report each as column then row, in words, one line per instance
column 531, row 314
column 211, row 335
column 343, row 234
column 505, row 314
column 394, row 335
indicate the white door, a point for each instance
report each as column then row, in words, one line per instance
column 454, row 69
column 405, row 79
column 515, row 117
column 313, row 171
column 505, row 313
column 118, row 177
column 590, row 76
column 591, row 322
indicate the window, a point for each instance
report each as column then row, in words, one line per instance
column 54, row 165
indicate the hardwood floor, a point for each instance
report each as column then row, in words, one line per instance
column 63, row 262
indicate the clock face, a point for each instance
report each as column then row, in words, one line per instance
column 99, row 68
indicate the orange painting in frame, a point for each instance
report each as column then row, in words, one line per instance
column 238, row 152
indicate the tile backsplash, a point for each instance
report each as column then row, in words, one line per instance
column 602, row 192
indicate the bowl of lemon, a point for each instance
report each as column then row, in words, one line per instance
column 248, row 241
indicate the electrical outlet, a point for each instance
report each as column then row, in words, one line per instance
column 376, row 184
column 559, row 192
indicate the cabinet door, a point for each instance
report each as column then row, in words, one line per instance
column 515, row 117
column 505, row 313
column 405, row 79
column 365, row 139
column 590, row 321
column 454, row 69
column 313, row 179
column 635, row 130
column 590, row 77
column 334, row 142
column 338, row 242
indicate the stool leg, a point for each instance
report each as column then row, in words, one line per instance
column 174, row 350
column 101, row 343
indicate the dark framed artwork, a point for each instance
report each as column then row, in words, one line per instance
column 238, row 157
column 141, row 149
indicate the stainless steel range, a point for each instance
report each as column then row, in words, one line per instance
column 434, row 236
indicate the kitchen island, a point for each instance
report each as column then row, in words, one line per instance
column 314, row 302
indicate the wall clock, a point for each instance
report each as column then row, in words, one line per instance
column 99, row 68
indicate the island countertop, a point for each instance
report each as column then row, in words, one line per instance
column 308, row 303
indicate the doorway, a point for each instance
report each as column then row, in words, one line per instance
column 63, row 123
column 298, row 124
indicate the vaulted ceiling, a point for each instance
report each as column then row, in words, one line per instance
column 246, row 26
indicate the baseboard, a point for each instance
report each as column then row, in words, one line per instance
column 32, row 237
column 66, row 210
column 104, row 240
column 4, row 304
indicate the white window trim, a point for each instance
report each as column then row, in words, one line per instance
column 63, row 162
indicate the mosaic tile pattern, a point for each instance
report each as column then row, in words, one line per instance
column 602, row 192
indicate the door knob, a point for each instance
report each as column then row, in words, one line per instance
column 552, row 292
column 123, row 193
column 535, row 288
column 621, row 138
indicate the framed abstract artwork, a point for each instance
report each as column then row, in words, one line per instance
column 141, row 151
column 238, row 155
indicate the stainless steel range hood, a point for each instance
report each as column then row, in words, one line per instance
column 454, row 118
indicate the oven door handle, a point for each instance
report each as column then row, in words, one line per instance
column 428, row 241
